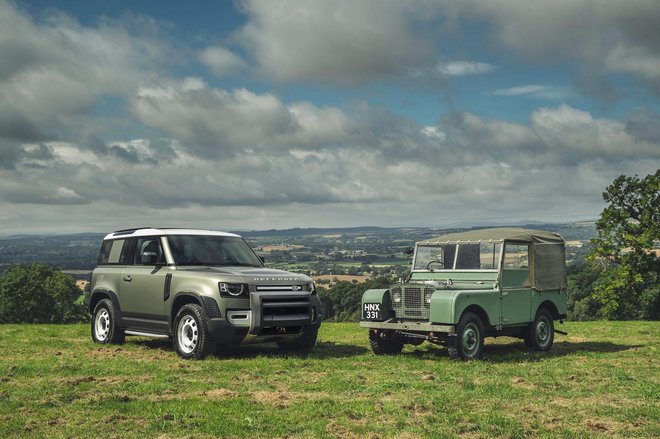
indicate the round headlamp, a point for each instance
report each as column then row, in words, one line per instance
column 231, row 289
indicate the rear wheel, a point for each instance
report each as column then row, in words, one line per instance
column 541, row 333
column 304, row 343
column 384, row 346
column 104, row 324
column 468, row 343
column 191, row 336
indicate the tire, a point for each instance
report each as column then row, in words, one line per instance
column 383, row 346
column 468, row 343
column 541, row 333
column 104, row 324
column 304, row 343
column 191, row 336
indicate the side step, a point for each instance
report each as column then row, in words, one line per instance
column 146, row 334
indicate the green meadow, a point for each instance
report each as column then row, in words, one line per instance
column 602, row 380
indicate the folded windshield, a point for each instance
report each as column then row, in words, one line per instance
column 477, row 256
column 212, row 250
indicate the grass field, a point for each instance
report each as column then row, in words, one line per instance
column 600, row 381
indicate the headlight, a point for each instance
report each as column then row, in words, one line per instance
column 311, row 287
column 396, row 295
column 232, row 289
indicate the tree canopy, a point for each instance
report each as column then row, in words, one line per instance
column 628, row 232
column 39, row 293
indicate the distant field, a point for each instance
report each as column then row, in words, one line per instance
column 603, row 380
column 341, row 277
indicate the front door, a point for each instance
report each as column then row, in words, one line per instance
column 515, row 285
column 142, row 288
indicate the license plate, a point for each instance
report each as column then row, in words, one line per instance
column 371, row 311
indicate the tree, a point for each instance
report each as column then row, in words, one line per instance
column 628, row 231
column 39, row 293
column 341, row 302
column 581, row 302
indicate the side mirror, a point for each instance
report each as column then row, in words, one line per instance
column 409, row 251
column 149, row 258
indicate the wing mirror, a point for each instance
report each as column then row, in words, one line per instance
column 409, row 251
column 149, row 258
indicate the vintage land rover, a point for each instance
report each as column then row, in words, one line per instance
column 201, row 288
column 467, row 286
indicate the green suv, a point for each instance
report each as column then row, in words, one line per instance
column 467, row 286
column 201, row 288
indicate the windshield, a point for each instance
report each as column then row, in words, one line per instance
column 212, row 250
column 477, row 256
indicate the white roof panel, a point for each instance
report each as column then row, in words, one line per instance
column 149, row 231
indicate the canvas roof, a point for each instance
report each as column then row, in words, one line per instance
column 499, row 234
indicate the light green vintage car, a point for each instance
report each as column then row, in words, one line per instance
column 467, row 286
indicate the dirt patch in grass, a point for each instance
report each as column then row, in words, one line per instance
column 520, row 382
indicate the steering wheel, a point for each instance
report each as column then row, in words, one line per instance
column 435, row 261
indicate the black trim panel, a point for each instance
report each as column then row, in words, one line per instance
column 167, row 286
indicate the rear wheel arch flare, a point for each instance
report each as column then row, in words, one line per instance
column 550, row 307
column 99, row 295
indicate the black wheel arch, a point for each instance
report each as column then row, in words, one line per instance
column 183, row 298
column 100, row 294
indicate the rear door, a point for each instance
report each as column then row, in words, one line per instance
column 142, row 286
column 515, row 284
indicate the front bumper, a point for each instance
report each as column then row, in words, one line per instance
column 271, row 316
column 408, row 326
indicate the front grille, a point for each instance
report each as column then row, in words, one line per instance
column 280, row 288
column 412, row 297
column 411, row 301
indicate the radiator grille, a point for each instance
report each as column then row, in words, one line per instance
column 410, row 301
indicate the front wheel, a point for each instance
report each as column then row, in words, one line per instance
column 104, row 324
column 304, row 343
column 191, row 336
column 384, row 346
column 541, row 333
column 468, row 343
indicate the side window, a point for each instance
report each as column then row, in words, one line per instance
column 516, row 257
column 115, row 251
column 149, row 244
column 104, row 254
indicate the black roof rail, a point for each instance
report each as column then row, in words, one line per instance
column 128, row 231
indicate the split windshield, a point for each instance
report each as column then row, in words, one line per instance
column 476, row 256
column 212, row 250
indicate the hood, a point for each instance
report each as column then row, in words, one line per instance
column 251, row 274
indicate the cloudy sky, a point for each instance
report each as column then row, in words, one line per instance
column 278, row 114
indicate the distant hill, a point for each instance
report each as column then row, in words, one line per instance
column 79, row 251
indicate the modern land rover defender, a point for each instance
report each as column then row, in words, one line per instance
column 201, row 288
column 467, row 286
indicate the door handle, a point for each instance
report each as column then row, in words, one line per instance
column 127, row 278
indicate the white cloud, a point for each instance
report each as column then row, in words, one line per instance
column 222, row 61
column 464, row 68
column 600, row 36
column 213, row 122
column 337, row 41
column 536, row 91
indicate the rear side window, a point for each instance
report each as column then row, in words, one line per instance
column 111, row 252
column 516, row 256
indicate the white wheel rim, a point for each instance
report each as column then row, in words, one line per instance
column 102, row 324
column 187, row 334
